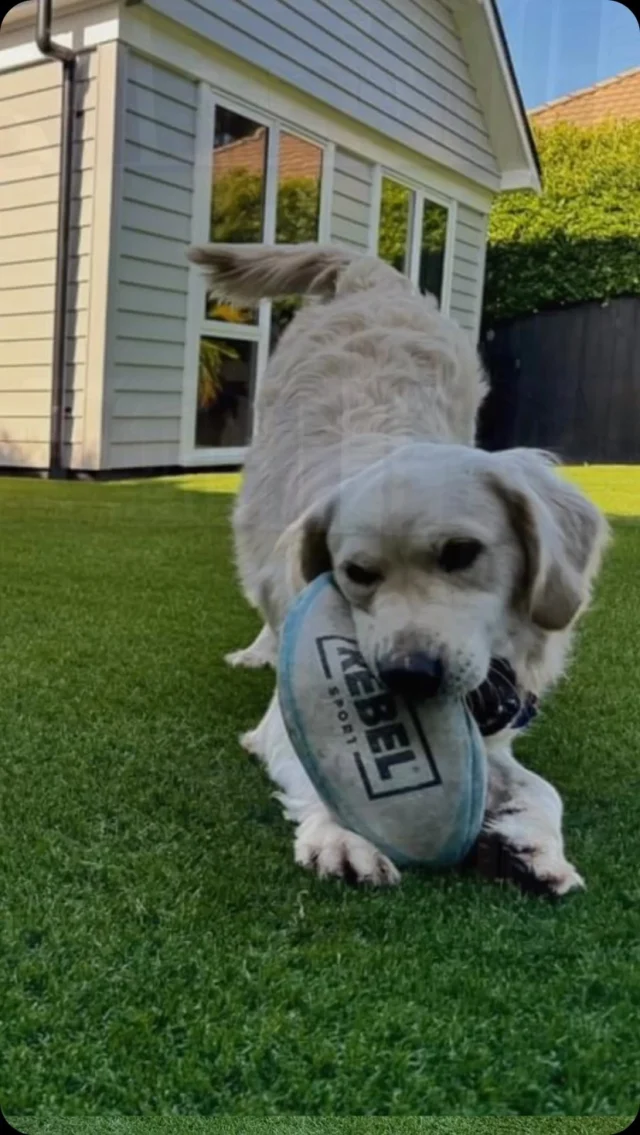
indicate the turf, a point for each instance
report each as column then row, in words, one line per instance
column 160, row 954
column 304, row 1126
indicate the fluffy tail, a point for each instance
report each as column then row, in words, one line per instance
column 248, row 273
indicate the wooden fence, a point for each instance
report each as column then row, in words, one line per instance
column 568, row 381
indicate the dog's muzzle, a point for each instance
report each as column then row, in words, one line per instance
column 415, row 676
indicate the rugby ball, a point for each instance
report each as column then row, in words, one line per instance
column 410, row 776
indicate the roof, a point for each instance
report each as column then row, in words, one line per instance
column 516, row 87
column 615, row 98
column 493, row 73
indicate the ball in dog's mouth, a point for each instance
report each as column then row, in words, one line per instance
column 409, row 776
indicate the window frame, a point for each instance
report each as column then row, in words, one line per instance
column 198, row 325
column 421, row 193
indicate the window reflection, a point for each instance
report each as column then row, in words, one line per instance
column 297, row 210
column 396, row 210
column 238, row 193
column 226, row 381
column 434, row 237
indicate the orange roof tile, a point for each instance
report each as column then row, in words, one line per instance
column 617, row 98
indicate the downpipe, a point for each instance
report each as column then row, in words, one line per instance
column 64, row 55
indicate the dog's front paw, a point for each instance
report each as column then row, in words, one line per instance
column 535, row 868
column 262, row 652
column 324, row 847
column 248, row 659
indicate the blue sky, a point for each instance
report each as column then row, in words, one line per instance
column 559, row 46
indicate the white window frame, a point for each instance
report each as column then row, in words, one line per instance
column 421, row 193
column 198, row 326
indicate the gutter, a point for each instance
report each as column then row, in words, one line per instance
column 67, row 57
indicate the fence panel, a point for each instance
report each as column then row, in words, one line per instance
column 567, row 380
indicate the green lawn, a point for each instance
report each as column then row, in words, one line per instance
column 160, row 953
column 297, row 1126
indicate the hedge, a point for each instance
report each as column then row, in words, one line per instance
column 580, row 239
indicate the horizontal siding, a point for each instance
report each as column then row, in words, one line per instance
column 467, row 282
column 156, row 454
column 149, row 327
column 398, row 66
column 36, row 377
column 352, row 198
column 30, row 104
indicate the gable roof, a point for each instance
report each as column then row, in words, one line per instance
column 615, row 98
column 491, row 66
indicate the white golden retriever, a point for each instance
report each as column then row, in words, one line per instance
column 363, row 462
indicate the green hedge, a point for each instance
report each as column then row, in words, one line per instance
column 580, row 239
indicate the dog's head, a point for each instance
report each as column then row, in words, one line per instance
column 441, row 550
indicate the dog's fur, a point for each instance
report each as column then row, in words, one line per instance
column 364, row 453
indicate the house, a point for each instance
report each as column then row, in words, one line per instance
column 386, row 126
column 615, row 99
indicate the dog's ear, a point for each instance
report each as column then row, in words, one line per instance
column 300, row 555
column 561, row 532
column 304, row 543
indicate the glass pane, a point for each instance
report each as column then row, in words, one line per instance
column 297, row 210
column 396, row 208
column 434, row 237
column 238, row 192
column 299, row 178
column 226, row 380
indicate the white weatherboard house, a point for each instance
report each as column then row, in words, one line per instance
column 384, row 125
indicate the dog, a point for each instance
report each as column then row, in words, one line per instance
column 363, row 462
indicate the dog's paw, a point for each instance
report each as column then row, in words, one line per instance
column 548, row 866
column 261, row 652
column 329, row 850
column 253, row 742
column 248, row 659
column 539, row 869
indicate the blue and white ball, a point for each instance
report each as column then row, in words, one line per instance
column 411, row 777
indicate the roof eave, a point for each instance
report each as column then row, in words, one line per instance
column 512, row 179
column 506, row 60
column 493, row 72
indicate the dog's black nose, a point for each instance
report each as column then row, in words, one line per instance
column 414, row 676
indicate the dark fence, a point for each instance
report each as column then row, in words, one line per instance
column 568, row 381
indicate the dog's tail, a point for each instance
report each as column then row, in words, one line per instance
column 248, row 273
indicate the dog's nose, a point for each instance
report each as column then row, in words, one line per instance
column 414, row 676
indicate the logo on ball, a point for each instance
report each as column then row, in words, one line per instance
column 392, row 755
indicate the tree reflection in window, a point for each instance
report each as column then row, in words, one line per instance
column 297, row 210
column 238, row 193
column 226, row 381
column 394, row 238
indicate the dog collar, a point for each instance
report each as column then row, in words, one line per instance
column 499, row 704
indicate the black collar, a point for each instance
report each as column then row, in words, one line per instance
column 499, row 703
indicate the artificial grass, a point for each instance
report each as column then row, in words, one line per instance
column 616, row 488
column 304, row 1126
column 159, row 951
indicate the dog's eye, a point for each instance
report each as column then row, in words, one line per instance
column 459, row 554
column 363, row 577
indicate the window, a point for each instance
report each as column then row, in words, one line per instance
column 226, row 375
column 266, row 185
column 412, row 235
column 297, row 210
column 237, row 193
column 299, row 180
column 432, row 247
column 396, row 208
